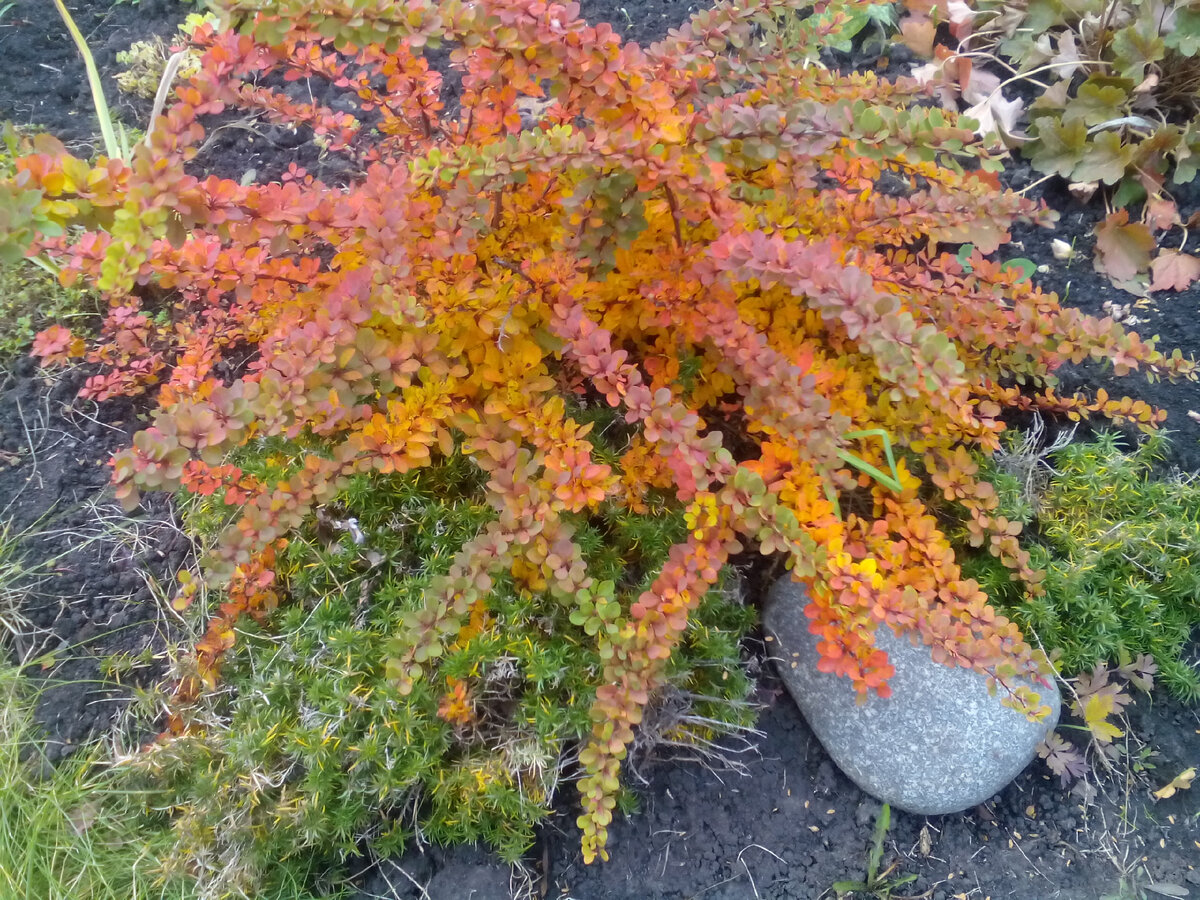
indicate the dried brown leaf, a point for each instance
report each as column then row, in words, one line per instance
column 1122, row 247
column 918, row 35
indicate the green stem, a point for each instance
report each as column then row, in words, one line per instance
column 111, row 145
column 891, row 482
column 44, row 264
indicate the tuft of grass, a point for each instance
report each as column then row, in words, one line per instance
column 876, row 884
column 13, row 622
column 72, row 832
column 91, row 827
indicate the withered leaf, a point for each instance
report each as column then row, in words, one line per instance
column 1122, row 248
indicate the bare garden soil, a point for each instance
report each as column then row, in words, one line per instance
column 789, row 828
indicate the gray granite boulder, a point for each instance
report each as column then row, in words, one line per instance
column 939, row 744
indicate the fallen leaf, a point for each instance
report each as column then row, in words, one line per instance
column 918, row 35
column 1083, row 190
column 1096, row 710
column 1068, row 53
column 979, row 86
column 1122, row 248
column 1150, row 82
column 1167, row 888
column 996, row 116
column 83, row 817
column 961, row 17
column 1180, row 782
column 1174, row 271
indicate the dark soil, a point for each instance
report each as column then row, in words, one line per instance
column 42, row 77
column 788, row 830
column 92, row 571
column 1173, row 317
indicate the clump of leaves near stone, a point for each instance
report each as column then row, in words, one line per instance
column 737, row 251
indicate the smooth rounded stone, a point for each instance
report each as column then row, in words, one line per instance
column 939, row 744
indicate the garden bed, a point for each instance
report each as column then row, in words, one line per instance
column 788, row 828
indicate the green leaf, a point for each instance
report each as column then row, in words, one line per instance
column 1027, row 267
column 1138, row 45
column 1129, row 192
column 1106, row 159
column 882, row 822
column 1187, row 155
column 1185, row 36
column 1101, row 98
column 111, row 145
column 1059, row 146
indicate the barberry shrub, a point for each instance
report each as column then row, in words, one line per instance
column 739, row 251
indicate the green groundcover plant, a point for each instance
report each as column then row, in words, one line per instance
column 310, row 747
column 1119, row 541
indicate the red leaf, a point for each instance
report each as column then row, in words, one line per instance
column 1174, row 271
column 1160, row 213
column 1122, row 249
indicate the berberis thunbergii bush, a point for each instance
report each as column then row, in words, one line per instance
column 737, row 252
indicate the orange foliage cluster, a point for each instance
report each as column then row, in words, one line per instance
column 693, row 234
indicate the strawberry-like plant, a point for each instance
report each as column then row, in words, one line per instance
column 1117, row 104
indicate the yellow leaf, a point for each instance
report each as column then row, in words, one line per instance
column 1180, row 782
column 1096, row 710
column 671, row 130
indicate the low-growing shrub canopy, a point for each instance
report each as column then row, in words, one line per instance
column 744, row 255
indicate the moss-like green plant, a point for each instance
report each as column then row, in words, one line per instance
column 1120, row 544
column 310, row 748
column 145, row 62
